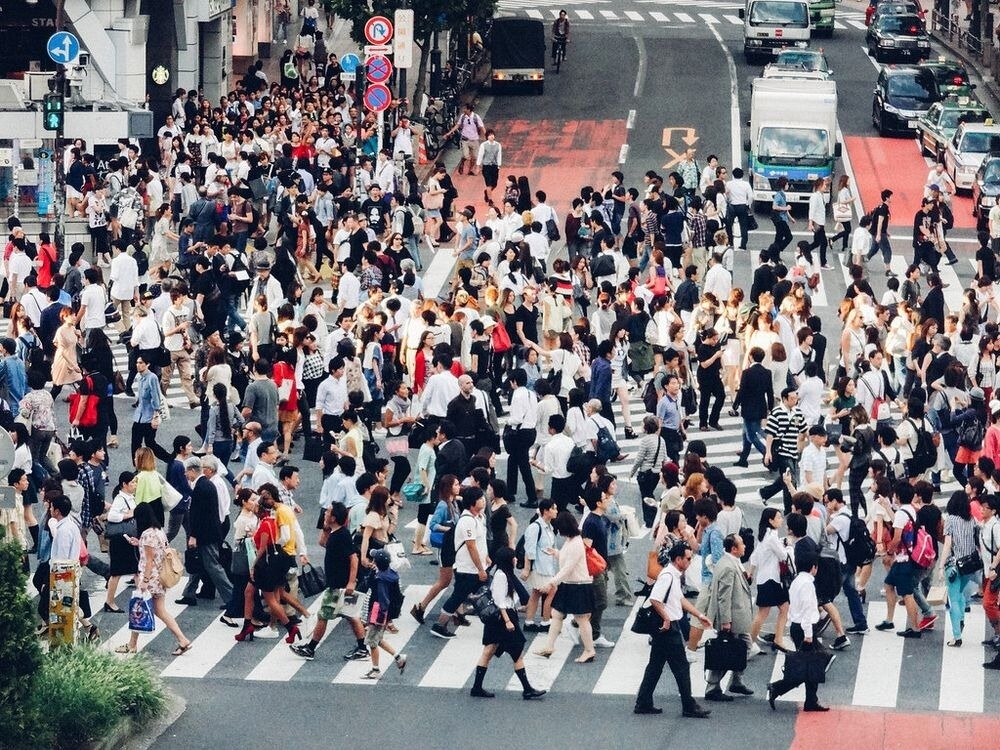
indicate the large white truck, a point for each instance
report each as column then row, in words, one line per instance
column 772, row 25
column 793, row 134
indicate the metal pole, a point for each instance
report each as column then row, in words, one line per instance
column 59, row 198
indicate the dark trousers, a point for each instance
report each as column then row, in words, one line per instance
column 843, row 235
column 710, row 386
column 667, row 649
column 855, row 478
column 853, row 597
column 565, row 491
column 783, row 685
column 606, row 411
column 674, row 442
column 212, row 570
column 779, row 464
column 465, row 584
column 519, row 444
column 782, row 236
column 742, row 215
column 144, row 434
column 926, row 252
column 819, row 241
column 751, row 438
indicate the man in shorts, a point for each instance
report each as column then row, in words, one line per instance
column 339, row 599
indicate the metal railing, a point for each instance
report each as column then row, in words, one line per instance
column 950, row 29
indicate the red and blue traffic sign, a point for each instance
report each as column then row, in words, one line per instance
column 379, row 69
column 377, row 97
column 378, row 30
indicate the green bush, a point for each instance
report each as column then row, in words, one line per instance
column 20, row 655
column 81, row 693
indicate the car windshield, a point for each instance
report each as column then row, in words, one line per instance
column 806, row 146
column 906, row 25
column 992, row 172
column 912, row 87
column 767, row 13
column 979, row 143
column 804, row 60
column 952, row 117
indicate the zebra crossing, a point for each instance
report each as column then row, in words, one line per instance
column 726, row 14
column 875, row 671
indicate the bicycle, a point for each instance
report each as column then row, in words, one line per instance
column 558, row 51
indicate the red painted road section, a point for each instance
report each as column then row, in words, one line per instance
column 858, row 729
column 896, row 163
column 558, row 157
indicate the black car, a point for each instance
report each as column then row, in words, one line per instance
column 986, row 189
column 898, row 37
column 901, row 95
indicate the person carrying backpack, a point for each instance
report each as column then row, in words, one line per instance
column 900, row 579
column 971, row 433
column 854, row 547
column 385, row 604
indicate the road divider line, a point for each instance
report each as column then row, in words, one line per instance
column 734, row 109
column 640, row 73
column 875, row 63
column 630, row 120
column 623, row 154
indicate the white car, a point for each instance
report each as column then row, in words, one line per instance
column 967, row 149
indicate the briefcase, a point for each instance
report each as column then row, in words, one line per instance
column 725, row 652
column 804, row 666
column 311, row 581
column 313, row 449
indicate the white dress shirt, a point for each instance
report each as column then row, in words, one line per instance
column 668, row 590
column 739, row 193
column 440, row 390
column 523, row 409
column 556, row 455
column 803, row 607
column 124, row 277
column 66, row 539
column 33, row 302
column 719, row 282
column 349, row 292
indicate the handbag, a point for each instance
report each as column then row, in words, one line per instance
column 140, row 613
column 192, row 562
column 805, row 666
column 169, row 496
column 595, row 563
column 121, row 528
column 726, row 652
column 172, row 568
column 240, row 564
column 413, row 492
column 500, row 339
column 647, row 620
column 117, row 383
column 689, row 401
column 653, row 566
column 969, row 564
column 311, row 581
column 313, row 449
column 397, row 445
column 481, row 602
column 842, row 212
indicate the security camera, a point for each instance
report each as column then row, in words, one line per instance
column 83, row 60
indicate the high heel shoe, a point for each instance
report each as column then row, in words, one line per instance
column 246, row 634
column 545, row 653
column 629, row 433
column 293, row 634
column 584, row 659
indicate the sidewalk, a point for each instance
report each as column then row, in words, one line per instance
column 988, row 88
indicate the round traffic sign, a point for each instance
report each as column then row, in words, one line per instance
column 377, row 97
column 378, row 30
column 379, row 69
column 349, row 62
column 63, row 47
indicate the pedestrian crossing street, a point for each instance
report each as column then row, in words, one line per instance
column 878, row 669
column 724, row 14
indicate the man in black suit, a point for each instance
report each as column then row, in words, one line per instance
column 452, row 457
column 763, row 278
column 756, row 397
column 933, row 307
column 205, row 532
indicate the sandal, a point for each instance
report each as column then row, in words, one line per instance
column 545, row 653
column 124, row 649
column 181, row 649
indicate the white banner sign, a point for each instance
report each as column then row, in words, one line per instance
column 402, row 42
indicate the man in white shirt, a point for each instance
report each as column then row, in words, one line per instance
column 538, row 243
column 718, row 280
column 811, row 391
column 174, row 324
column 521, row 436
column 441, row 388
column 251, row 436
column 92, row 303
column 471, row 561
column 263, row 473
column 818, row 199
column 803, row 613
column 814, row 458
column 554, row 462
column 124, row 279
column 33, row 301
column 385, row 172
column 349, row 288
column 66, row 538
column 325, row 147
column 331, row 400
column 542, row 211
column 739, row 195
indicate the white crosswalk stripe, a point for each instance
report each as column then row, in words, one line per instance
column 708, row 18
column 684, row 18
column 609, row 14
column 600, row 14
column 659, row 17
column 634, row 16
column 585, row 15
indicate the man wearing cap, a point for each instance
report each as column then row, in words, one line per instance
column 205, row 531
column 267, row 285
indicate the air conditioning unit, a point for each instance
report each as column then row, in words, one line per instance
column 12, row 95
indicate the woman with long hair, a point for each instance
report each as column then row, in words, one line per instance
column 377, row 526
column 398, row 422
column 244, row 526
column 223, row 419
column 843, row 205
column 123, row 556
column 422, row 361
column 960, row 548
column 65, row 365
column 442, row 528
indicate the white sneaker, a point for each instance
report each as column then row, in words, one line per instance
column 692, row 656
column 267, row 633
column 603, row 642
column 755, row 650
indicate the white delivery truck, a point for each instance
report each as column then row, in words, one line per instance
column 793, row 134
column 772, row 25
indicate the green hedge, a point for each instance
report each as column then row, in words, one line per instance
column 81, row 693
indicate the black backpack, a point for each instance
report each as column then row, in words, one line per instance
column 519, row 555
column 859, row 549
column 924, row 452
column 971, row 435
column 650, row 397
column 395, row 601
column 603, row 265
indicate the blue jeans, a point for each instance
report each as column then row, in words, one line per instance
column 883, row 245
column 752, row 436
column 853, row 597
column 956, row 598
column 232, row 314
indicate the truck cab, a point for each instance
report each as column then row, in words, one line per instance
column 793, row 134
column 822, row 14
column 517, row 54
column 772, row 25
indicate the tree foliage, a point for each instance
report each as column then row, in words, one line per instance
column 428, row 15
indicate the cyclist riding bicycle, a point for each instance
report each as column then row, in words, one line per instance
column 560, row 34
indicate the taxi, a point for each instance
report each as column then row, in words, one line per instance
column 986, row 189
column 937, row 126
column 790, row 62
column 972, row 142
column 952, row 77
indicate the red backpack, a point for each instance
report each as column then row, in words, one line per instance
column 918, row 543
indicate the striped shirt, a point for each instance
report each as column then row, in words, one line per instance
column 785, row 427
column 963, row 536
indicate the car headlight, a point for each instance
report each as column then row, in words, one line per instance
column 887, row 43
column 988, row 200
column 754, row 42
column 890, row 109
column 760, row 182
column 923, row 43
column 965, row 171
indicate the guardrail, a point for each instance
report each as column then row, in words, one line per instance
column 949, row 28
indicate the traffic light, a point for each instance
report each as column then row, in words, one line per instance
column 52, row 112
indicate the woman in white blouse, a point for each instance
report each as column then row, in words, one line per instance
column 575, row 595
column 502, row 634
column 765, row 562
column 124, row 557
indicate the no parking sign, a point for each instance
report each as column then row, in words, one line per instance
column 379, row 69
column 377, row 97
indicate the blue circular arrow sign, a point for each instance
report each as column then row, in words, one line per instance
column 349, row 63
column 63, row 47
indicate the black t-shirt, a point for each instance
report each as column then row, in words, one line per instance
column 879, row 214
column 923, row 227
column 529, row 320
column 482, row 351
column 595, row 528
column 375, row 211
column 704, row 351
column 337, row 560
column 988, row 258
column 498, row 525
